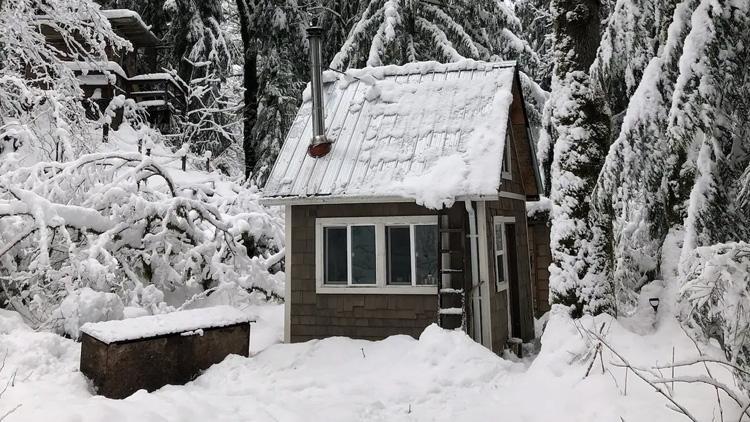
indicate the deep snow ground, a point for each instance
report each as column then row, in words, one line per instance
column 441, row 376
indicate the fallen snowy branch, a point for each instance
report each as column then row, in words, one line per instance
column 677, row 406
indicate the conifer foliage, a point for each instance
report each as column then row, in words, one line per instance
column 578, row 137
column 402, row 31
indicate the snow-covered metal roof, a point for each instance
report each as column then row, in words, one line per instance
column 425, row 131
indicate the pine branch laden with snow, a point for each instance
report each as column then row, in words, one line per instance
column 119, row 222
column 715, row 301
column 636, row 31
column 630, row 194
column 536, row 20
column 402, row 31
column 709, row 115
column 41, row 102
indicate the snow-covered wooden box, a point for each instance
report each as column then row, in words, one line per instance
column 124, row 356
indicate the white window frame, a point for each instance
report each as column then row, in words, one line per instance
column 508, row 173
column 502, row 221
column 380, row 286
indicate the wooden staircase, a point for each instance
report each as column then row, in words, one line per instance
column 452, row 268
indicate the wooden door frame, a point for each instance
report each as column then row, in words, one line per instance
column 484, row 274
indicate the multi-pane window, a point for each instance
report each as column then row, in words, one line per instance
column 349, row 254
column 412, row 254
column 396, row 251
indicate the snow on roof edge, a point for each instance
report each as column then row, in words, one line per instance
column 428, row 67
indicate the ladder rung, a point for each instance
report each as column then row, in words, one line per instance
column 452, row 291
column 451, row 311
column 450, row 271
column 451, row 251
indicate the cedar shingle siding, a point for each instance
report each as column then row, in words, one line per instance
column 366, row 316
column 541, row 258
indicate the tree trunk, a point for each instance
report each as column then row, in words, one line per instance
column 245, row 9
column 579, row 123
column 577, row 34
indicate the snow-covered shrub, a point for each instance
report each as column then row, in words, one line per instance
column 119, row 223
column 715, row 300
column 87, row 305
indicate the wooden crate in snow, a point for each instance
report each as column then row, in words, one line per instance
column 122, row 357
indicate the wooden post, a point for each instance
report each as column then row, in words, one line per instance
column 184, row 162
column 140, row 145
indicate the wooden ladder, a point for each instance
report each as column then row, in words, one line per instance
column 452, row 268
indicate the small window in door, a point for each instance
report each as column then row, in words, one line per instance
column 501, row 258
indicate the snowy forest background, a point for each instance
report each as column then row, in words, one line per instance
column 641, row 112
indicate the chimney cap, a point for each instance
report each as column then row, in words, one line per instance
column 314, row 31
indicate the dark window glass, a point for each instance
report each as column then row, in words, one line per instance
column 425, row 249
column 500, row 268
column 399, row 255
column 363, row 254
column 335, row 255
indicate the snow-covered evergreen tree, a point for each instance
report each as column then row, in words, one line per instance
column 709, row 110
column 202, row 58
column 632, row 190
column 578, row 132
column 280, row 68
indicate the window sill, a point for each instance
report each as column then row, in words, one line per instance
column 377, row 290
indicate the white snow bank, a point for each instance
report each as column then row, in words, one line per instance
column 442, row 376
column 163, row 324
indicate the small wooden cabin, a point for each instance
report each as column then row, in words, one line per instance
column 415, row 211
column 133, row 73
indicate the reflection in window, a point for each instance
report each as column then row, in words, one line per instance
column 399, row 255
column 425, row 251
column 363, row 254
column 335, row 255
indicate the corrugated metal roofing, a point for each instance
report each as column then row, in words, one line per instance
column 395, row 127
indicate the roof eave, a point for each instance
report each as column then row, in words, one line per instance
column 327, row 199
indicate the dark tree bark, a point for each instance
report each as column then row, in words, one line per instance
column 245, row 10
column 577, row 34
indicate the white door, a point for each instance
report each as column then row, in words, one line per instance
column 479, row 294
